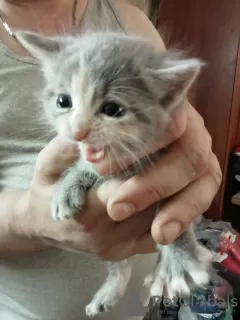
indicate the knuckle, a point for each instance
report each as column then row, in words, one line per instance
column 201, row 207
column 195, row 210
column 155, row 194
column 178, row 129
column 199, row 161
column 40, row 169
column 195, row 116
column 217, row 177
column 207, row 141
column 200, row 151
column 216, row 172
column 210, row 141
column 40, row 159
column 201, row 120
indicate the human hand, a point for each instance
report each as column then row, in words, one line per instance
column 92, row 231
column 188, row 174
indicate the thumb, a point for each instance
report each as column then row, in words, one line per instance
column 54, row 159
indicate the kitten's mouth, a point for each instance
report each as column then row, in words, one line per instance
column 94, row 155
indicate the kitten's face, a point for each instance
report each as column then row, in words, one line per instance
column 111, row 92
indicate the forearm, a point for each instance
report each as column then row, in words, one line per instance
column 14, row 236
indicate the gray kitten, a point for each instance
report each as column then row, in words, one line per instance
column 114, row 93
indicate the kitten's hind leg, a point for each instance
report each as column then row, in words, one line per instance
column 112, row 290
column 183, row 264
column 70, row 192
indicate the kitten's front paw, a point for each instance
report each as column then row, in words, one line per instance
column 179, row 274
column 70, row 193
column 67, row 201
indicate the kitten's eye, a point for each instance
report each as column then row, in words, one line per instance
column 112, row 109
column 64, row 101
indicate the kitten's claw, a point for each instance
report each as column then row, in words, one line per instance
column 178, row 276
column 106, row 298
column 148, row 281
column 94, row 309
column 102, row 304
column 70, row 193
column 157, row 287
column 67, row 202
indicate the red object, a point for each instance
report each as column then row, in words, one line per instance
column 230, row 246
column 237, row 151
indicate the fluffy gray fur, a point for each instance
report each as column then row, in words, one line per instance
column 147, row 85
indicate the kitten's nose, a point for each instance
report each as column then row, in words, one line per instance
column 81, row 135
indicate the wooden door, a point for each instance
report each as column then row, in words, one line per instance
column 210, row 29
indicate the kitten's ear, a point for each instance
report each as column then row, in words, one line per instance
column 176, row 76
column 41, row 47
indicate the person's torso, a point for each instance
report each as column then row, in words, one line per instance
column 23, row 129
column 51, row 285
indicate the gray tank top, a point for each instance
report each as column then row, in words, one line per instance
column 50, row 285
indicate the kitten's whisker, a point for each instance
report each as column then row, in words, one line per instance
column 133, row 156
column 145, row 128
column 109, row 158
column 142, row 155
column 144, row 145
column 137, row 158
column 120, row 161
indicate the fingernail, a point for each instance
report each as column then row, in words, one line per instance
column 171, row 231
column 122, row 211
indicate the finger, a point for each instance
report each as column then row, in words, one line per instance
column 179, row 212
column 93, row 216
column 141, row 245
column 93, row 213
column 136, row 225
column 173, row 131
column 186, row 160
column 128, row 236
column 144, row 244
column 108, row 189
column 54, row 159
